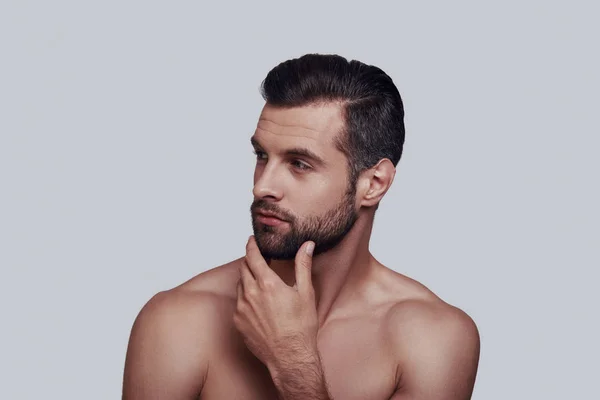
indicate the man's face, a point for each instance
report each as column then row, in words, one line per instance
column 302, row 179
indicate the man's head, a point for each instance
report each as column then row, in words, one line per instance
column 327, row 143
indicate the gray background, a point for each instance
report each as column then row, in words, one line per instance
column 125, row 169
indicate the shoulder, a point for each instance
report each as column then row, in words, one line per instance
column 196, row 299
column 194, row 305
column 176, row 334
column 435, row 343
column 221, row 280
column 428, row 314
column 179, row 311
column 415, row 311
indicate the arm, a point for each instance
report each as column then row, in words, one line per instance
column 441, row 349
column 279, row 323
column 300, row 376
column 167, row 355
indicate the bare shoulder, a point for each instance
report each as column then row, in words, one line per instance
column 423, row 319
column 220, row 281
column 415, row 305
column 436, row 344
column 192, row 309
column 175, row 335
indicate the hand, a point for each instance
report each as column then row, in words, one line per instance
column 278, row 322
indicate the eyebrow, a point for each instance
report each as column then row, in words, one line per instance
column 296, row 151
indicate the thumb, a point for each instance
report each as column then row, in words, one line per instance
column 303, row 264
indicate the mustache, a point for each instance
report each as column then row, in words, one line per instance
column 266, row 206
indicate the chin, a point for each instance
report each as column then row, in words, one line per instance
column 278, row 255
column 274, row 251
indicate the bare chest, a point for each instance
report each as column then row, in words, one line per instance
column 355, row 357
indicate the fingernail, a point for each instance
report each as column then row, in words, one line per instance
column 309, row 248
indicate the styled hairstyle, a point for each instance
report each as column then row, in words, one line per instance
column 372, row 106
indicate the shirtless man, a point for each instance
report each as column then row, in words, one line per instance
column 308, row 312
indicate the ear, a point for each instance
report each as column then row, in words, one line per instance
column 374, row 183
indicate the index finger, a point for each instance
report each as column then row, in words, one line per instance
column 258, row 265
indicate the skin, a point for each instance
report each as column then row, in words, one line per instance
column 333, row 325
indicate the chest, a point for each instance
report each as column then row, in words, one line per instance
column 355, row 357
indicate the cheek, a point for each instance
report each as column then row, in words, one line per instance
column 322, row 195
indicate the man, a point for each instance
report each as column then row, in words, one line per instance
column 309, row 313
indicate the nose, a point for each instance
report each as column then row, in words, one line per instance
column 266, row 183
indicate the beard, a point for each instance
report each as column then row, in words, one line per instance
column 326, row 230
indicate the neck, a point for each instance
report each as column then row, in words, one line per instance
column 338, row 271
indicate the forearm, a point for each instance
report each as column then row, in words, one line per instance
column 300, row 377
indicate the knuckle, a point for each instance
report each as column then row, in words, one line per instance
column 251, row 292
column 268, row 284
column 239, row 309
column 237, row 319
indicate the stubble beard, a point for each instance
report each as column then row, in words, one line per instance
column 327, row 230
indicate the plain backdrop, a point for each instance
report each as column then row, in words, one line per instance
column 126, row 169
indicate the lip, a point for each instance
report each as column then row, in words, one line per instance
column 270, row 221
column 269, row 218
column 269, row 214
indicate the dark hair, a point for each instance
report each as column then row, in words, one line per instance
column 372, row 106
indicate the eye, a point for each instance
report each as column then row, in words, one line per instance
column 301, row 165
column 260, row 155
